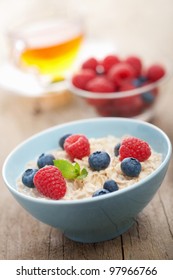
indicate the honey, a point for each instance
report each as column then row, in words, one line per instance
column 50, row 48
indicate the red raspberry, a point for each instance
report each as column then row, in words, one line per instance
column 128, row 106
column 126, row 87
column 90, row 63
column 134, row 147
column 82, row 78
column 50, row 182
column 107, row 110
column 110, row 61
column 100, row 84
column 77, row 146
column 155, row 72
column 136, row 63
column 121, row 73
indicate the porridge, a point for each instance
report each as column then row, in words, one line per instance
column 113, row 152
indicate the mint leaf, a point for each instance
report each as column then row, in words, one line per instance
column 77, row 167
column 83, row 174
column 70, row 171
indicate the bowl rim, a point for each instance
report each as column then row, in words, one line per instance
column 117, row 94
column 90, row 199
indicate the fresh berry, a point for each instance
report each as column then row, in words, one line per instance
column 77, row 146
column 100, row 69
column 109, row 61
column 81, row 79
column 45, row 159
column 100, row 84
column 131, row 167
column 99, row 160
column 148, row 97
column 50, row 182
column 90, row 63
column 155, row 72
column 62, row 140
column 136, row 63
column 98, row 102
column 121, row 73
column 128, row 106
column 126, row 87
column 27, row 177
column 139, row 81
column 107, row 109
column 134, row 147
column 116, row 149
column 100, row 192
column 110, row 185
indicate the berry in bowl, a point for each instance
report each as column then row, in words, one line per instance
column 89, row 178
column 121, row 86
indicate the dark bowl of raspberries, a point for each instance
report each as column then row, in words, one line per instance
column 121, row 86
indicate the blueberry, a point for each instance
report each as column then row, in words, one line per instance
column 110, row 185
column 100, row 192
column 148, row 97
column 45, row 160
column 99, row 160
column 131, row 167
column 62, row 140
column 139, row 81
column 116, row 149
column 143, row 79
column 28, row 176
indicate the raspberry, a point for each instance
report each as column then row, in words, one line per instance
column 110, row 61
column 98, row 102
column 82, row 78
column 90, row 63
column 126, row 87
column 100, row 84
column 136, row 63
column 121, row 73
column 155, row 72
column 77, row 146
column 128, row 106
column 134, row 147
column 50, row 182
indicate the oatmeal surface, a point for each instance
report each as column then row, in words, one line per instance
column 79, row 189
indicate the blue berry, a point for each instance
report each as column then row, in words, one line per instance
column 131, row 167
column 100, row 192
column 143, row 79
column 45, row 160
column 148, row 97
column 99, row 160
column 62, row 140
column 116, row 149
column 27, row 177
column 110, row 185
column 139, row 81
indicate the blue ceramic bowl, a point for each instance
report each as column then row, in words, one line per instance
column 92, row 219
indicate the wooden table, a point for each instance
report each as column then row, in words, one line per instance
column 23, row 237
